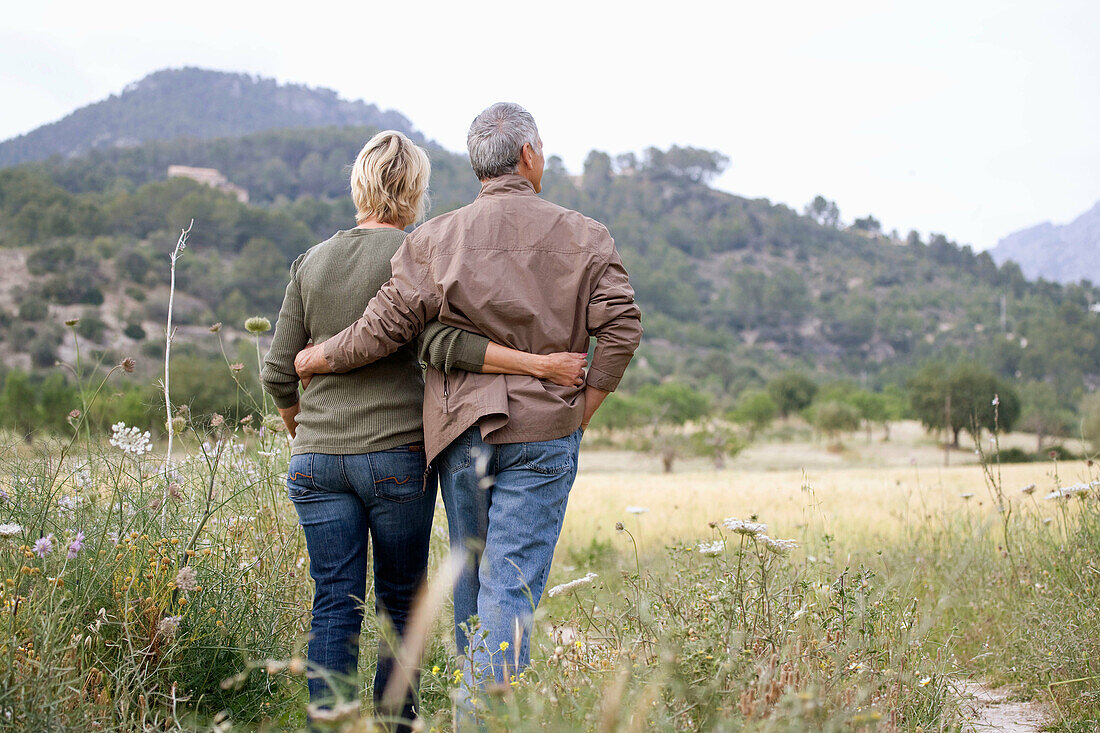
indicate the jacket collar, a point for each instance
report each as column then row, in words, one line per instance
column 508, row 183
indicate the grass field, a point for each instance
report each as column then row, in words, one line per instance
column 906, row 582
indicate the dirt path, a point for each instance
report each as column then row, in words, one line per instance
column 989, row 711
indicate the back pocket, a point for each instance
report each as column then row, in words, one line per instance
column 400, row 474
column 299, row 477
column 550, row 456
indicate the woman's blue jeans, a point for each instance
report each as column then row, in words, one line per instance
column 342, row 500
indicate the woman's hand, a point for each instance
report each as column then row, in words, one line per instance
column 564, row 368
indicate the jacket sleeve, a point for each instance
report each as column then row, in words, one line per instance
column 394, row 316
column 615, row 320
column 448, row 348
column 278, row 375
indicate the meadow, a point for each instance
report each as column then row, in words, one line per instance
column 135, row 596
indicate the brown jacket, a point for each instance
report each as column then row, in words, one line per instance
column 523, row 272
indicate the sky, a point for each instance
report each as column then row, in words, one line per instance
column 971, row 118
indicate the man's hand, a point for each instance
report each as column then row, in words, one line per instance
column 564, row 368
column 593, row 398
column 311, row 360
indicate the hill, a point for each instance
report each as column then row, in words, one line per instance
column 192, row 103
column 1062, row 253
column 733, row 290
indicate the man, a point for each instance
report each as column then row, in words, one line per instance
column 533, row 276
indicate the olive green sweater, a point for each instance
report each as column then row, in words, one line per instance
column 377, row 406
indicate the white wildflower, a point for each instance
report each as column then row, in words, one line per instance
column 10, row 530
column 70, row 503
column 636, row 510
column 743, row 527
column 967, row 496
column 131, row 440
column 168, row 625
column 1029, row 489
column 566, row 588
column 1067, row 491
column 924, row 681
column 187, row 579
column 710, row 549
column 779, row 547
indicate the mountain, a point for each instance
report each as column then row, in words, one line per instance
column 1063, row 253
column 193, row 103
column 733, row 290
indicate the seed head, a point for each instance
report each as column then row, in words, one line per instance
column 257, row 325
column 128, row 364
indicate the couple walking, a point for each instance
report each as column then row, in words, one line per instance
column 499, row 298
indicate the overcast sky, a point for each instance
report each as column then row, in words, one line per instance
column 974, row 118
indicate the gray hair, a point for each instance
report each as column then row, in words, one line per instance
column 497, row 136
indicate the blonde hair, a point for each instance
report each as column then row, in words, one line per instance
column 389, row 180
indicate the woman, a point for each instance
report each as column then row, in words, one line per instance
column 357, row 465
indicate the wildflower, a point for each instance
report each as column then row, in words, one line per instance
column 566, row 588
column 176, row 425
column 74, row 415
column 76, row 546
column 128, row 364
column 257, row 325
column 72, row 322
column 1029, row 489
column 435, row 669
column 1047, row 520
column 216, row 327
column 745, row 528
column 779, row 547
column 619, row 527
column 504, row 646
column 996, row 400
column 710, row 549
column 168, row 626
column 236, row 367
column 43, row 545
column 130, row 440
column 1067, row 491
column 967, row 496
column 924, row 681
column 10, row 530
column 70, row 503
column 187, row 579
column 636, row 510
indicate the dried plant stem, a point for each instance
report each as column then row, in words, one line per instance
column 169, row 334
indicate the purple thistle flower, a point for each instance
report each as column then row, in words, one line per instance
column 76, row 545
column 43, row 545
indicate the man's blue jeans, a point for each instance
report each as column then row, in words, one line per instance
column 341, row 500
column 505, row 505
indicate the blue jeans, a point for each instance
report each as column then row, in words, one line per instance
column 341, row 500
column 505, row 505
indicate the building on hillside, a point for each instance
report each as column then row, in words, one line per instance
column 208, row 177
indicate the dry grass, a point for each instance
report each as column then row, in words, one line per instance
column 861, row 507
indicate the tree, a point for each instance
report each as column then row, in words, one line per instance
column 1042, row 412
column 868, row 224
column 792, row 392
column 19, row 403
column 973, row 389
column 834, row 418
column 756, row 410
column 823, row 211
column 1090, row 419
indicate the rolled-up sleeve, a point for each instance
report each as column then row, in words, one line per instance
column 615, row 320
column 277, row 375
column 394, row 317
column 448, row 348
